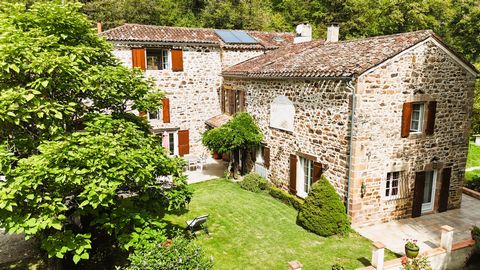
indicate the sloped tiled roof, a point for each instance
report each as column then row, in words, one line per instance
column 218, row 120
column 151, row 33
column 328, row 59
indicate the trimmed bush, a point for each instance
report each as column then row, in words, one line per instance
column 253, row 182
column 285, row 197
column 473, row 182
column 323, row 212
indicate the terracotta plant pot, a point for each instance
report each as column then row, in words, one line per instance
column 216, row 156
column 412, row 252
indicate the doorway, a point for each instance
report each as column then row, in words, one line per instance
column 429, row 191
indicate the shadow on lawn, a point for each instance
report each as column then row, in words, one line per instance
column 364, row 261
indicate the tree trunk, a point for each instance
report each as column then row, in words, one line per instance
column 244, row 162
column 235, row 158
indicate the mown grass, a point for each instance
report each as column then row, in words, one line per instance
column 473, row 157
column 255, row 231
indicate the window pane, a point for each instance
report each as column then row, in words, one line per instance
column 153, row 115
column 171, row 140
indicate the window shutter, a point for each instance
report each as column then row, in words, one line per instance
column 418, row 194
column 177, row 60
column 166, row 110
column 406, row 118
column 242, row 101
column 266, row 157
column 432, row 108
column 231, row 102
column 293, row 174
column 222, row 99
column 142, row 114
column 444, row 190
column 138, row 58
column 317, row 171
column 183, row 142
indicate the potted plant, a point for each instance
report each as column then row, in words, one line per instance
column 411, row 249
column 216, row 155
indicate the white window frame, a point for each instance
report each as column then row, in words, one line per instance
column 175, row 141
column 387, row 185
column 159, row 116
column 428, row 207
column 168, row 63
column 421, row 113
column 301, row 175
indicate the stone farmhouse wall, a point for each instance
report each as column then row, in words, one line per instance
column 424, row 73
column 320, row 127
column 193, row 93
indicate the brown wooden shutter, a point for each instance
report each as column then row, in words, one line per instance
column 138, row 58
column 317, row 171
column 183, row 142
column 231, row 102
column 432, row 108
column 166, row 110
column 266, row 157
column 293, row 174
column 222, row 99
column 444, row 190
column 242, row 101
column 418, row 194
column 142, row 114
column 177, row 60
column 406, row 118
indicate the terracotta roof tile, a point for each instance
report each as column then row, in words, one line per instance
column 218, row 120
column 324, row 59
column 152, row 33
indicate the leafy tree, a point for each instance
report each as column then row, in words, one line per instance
column 323, row 212
column 236, row 136
column 76, row 178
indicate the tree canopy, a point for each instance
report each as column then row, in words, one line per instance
column 82, row 172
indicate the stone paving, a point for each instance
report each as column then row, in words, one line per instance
column 426, row 229
column 212, row 169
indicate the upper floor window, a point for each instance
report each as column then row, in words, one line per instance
column 158, row 59
column 233, row 101
column 416, row 122
column 155, row 115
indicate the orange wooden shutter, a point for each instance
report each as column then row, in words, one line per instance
column 166, row 110
column 317, row 171
column 293, row 174
column 138, row 58
column 432, row 108
column 266, row 157
column 183, row 142
column 142, row 114
column 406, row 118
column 177, row 60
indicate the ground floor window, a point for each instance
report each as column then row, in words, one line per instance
column 170, row 141
column 392, row 185
column 304, row 176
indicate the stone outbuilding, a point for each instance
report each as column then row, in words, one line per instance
column 385, row 119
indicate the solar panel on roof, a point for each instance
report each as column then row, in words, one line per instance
column 229, row 36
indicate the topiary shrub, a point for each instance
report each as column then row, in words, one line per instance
column 285, row 197
column 253, row 182
column 323, row 212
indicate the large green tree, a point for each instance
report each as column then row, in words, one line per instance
column 82, row 172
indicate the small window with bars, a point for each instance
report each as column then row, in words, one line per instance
column 392, row 185
column 157, row 59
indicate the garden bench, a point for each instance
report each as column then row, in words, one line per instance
column 197, row 223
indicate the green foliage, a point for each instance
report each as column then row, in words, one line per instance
column 239, row 133
column 323, row 212
column 286, row 198
column 253, row 182
column 177, row 253
column 475, row 232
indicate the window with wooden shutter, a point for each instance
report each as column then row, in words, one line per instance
column 293, row 174
column 266, row 157
column 418, row 194
column 317, row 171
column 177, row 60
column 166, row 110
column 142, row 114
column 444, row 190
column 432, row 108
column 138, row 58
column 183, row 142
column 406, row 119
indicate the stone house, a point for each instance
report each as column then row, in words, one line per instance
column 385, row 119
column 187, row 64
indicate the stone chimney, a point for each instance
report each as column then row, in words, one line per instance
column 332, row 32
column 99, row 27
column 304, row 33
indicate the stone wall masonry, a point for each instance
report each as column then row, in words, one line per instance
column 232, row 57
column 320, row 128
column 377, row 144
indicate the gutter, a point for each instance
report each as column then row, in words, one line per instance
column 352, row 120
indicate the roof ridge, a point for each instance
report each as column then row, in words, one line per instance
column 429, row 31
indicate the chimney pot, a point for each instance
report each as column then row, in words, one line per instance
column 304, row 33
column 333, row 32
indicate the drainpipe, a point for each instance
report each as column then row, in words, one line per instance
column 352, row 118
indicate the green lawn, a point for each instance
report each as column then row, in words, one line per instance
column 255, row 231
column 473, row 157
